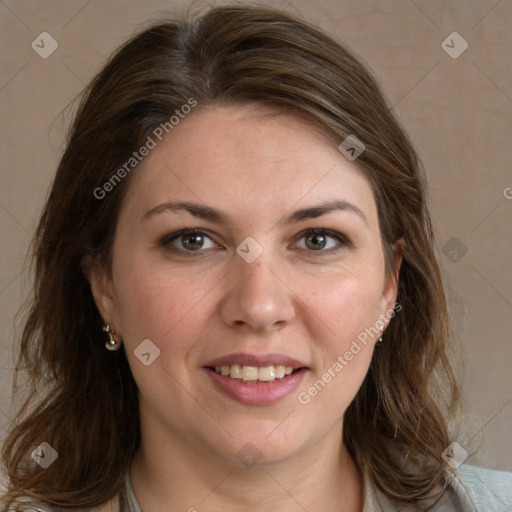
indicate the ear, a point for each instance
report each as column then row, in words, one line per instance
column 101, row 285
column 390, row 291
column 398, row 250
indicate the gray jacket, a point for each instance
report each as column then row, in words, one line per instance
column 470, row 489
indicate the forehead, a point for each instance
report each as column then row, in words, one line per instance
column 240, row 158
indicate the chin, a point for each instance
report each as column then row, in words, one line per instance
column 252, row 454
column 260, row 447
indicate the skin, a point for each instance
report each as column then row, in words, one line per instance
column 308, row 304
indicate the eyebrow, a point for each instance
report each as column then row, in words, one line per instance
column 220, row 217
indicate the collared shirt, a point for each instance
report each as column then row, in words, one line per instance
column 470, row 490
column 453, row 499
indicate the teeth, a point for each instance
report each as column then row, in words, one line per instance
column 235, row 371
column 255, row 373
column 249, row 373
column 266, row 373
column 280, row 371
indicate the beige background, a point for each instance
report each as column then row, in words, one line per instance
column 457, row 110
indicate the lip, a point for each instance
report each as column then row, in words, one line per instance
column 258, row 393
column 256, row 360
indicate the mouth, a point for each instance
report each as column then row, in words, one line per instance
column 255, row 380
column 254, row 374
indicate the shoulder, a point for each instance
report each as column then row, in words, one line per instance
column 489, row 490
column 26, row 504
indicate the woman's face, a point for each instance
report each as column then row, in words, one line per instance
column 254, row 288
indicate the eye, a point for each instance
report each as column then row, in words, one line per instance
column 318, row 240
column 188, row 240
column 193, row 240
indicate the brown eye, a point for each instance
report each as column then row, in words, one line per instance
column 315, row 241
column 318, row 240
column 188, row 241
column 192, row 242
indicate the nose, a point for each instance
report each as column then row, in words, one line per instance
column 257, row 297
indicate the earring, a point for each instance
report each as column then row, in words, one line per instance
column 114, row 341
column 380, row 339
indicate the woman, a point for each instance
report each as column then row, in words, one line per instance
column 239, row 212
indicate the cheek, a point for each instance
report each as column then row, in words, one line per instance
column 153, row 300
column 347, row 301
column 346, row 312
column 166, row 308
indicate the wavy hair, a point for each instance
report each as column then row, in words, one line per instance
column 81, row 398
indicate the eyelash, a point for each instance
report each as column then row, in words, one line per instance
column 343, row 241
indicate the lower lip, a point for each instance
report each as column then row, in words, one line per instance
column 258, row 393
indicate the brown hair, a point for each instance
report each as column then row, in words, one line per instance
column 83, row 399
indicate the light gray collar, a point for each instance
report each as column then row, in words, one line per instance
column 455, row 498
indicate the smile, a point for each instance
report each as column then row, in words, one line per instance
column 254, row 373
column 255, row 391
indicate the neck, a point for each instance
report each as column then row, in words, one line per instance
column 168, row 475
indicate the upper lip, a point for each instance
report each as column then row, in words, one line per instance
column 256, row 360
